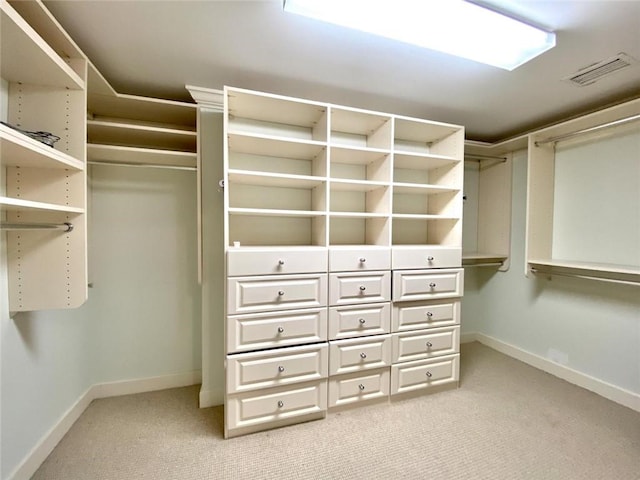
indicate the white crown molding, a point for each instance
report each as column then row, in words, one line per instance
column 207, row 97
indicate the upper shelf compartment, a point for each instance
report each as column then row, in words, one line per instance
column 428, row 138
column 360, row 129
column 275, row 116
column 21, row 42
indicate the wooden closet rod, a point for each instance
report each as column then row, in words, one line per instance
column 587, row 277
column 588, row 130
column 67, row 227
column 142, row 165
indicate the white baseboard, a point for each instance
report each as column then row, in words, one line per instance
column 615, row 394
column 47, row 443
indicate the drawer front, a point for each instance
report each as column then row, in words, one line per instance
column 427, row 284
column 359, row 259
column 354, row 288
column 249, row 261
column 407, row 377
column 359, row 387
column 282, row 292
column 359, row 320
column 251, row 371
column 279, row 329
column 426, row 257
column 347, row 356
column 425, row 344
column 273, row 405
column 415, row 316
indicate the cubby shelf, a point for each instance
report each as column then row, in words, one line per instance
column 118, row 132
column 274, row 146
column 20, row 205
column 248, row 177
column 274, row 212
column 135, row 155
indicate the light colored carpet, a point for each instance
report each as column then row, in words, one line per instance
column 506, row 421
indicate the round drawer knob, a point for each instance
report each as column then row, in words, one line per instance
column 280, row 262
column 280, row 293
column 280, row 330
column 362, row 321
column 430, row 258
column 362, row 288
column 363, row 355
column 362, row 259
column 429, row 374
column 361, row 387
column 281, row 369
column 432, row 285
column 429, row 344
column 429, row 314
column 280, row 404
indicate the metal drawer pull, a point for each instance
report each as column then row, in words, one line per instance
column 429, row 374
column 280, row 262
column 362, row 259
column 363, row 355
column 362, row 288
column 430, row 258
column 361, row 387
column 280, row 330
column 281, row 369
column 362, row 321
column 429, row 344
column 432, row 285
column 280, row 293
column 280, row 404
column 429, row 314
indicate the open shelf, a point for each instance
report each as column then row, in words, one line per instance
column 27, row 58
column 248, row 177
column 141, row 156
column 135, row 134
column 596, row 271
column 363, row 229
column 19, row 150
column 477, row 259
column 360, row 128
column 17, row 204
column 424, row 137
column 276, row 228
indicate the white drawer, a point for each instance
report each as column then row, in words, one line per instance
column 352, row 355
column 346, row 259
column 251, row 371
column 425, row 257
column 359, row 387
column 253, row 261
column 415, row 316
column 352, row 288
column 425, row 344
column 277, row 329
column 359, row 320
column 275, row 405
column 278, row 292
column 427, row 284
column 407, row 377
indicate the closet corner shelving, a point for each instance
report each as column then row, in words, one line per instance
column 540, row 256
column 487, row 204
column 44, row 187
column 324, row 204
column 133, row 130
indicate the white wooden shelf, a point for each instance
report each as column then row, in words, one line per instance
column 415, row 216
column 335, row 214
column 274, row 146
column 17, row 204
column 118, row 132
column 473, row 259
column 27, row 58
column 272, row 212
column 415, row 161
column 420, row 189
column 356, row 185
column 246, row 177
column 19, row 150
column 136, row 155
column 356, row 155
column 598, row 271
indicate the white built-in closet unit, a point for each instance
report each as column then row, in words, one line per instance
column 343, row 236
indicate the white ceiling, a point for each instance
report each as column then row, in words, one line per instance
column 154, row 48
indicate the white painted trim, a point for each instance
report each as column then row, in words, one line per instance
column 615, row 394
column 468, row 337
column 141, row 385
column 207, row 97
column 48, row 442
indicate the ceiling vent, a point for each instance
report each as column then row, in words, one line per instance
column 597, row 71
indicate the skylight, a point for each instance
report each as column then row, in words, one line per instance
column 455, row 27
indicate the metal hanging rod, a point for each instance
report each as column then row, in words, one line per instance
column 67, row 227
column 486, row 264
column 588, row 130
column 586, row 277
column 142, row 165
column 484, row 157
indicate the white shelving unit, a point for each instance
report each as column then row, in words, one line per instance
column 323, row 205
column 46, row 76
